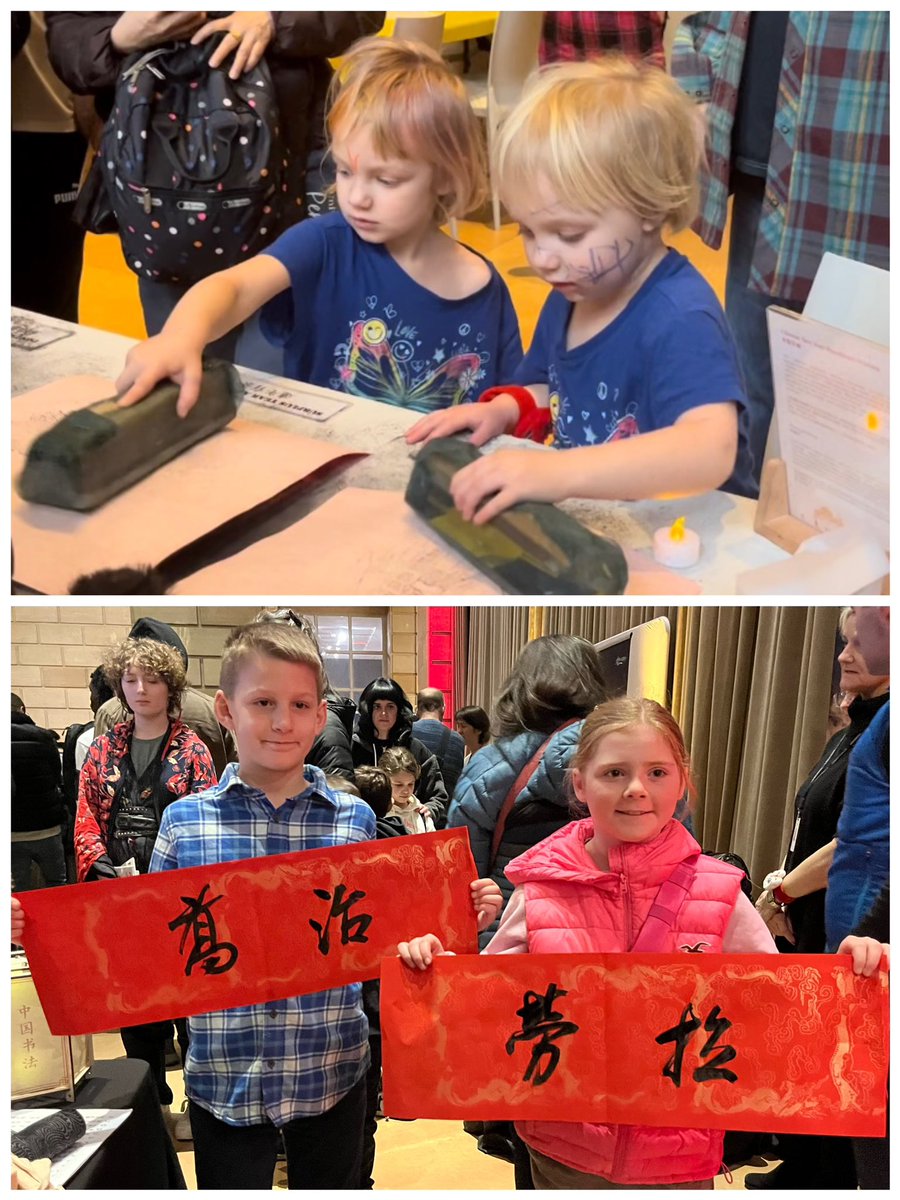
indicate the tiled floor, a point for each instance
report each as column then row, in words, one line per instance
column 410, row 1155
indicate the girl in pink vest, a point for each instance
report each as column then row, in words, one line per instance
column 589, row 888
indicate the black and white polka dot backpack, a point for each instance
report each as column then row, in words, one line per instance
column 193, row 163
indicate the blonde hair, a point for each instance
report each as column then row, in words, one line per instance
column 151, row 657
column 604, row 134
column 408, row 100
column 270, row 639
column 616, row 716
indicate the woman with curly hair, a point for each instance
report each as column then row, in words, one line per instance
column 130, row 775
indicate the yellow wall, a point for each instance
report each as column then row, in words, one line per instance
column 55, row 649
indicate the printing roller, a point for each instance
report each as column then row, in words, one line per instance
column 96, row 452
column 530, row 549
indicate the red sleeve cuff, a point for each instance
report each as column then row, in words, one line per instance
column 534, row 422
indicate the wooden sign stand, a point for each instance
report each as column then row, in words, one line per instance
column 773, row 518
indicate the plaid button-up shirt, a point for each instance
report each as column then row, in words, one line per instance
column 827, row 182
column 289, row 1058
column 576, row 36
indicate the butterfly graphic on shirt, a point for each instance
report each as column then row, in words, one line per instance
column 372, row 370
column 625, row 426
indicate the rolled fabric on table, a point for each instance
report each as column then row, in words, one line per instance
column 51, row 1136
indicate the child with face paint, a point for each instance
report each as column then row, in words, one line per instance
column 632, row 371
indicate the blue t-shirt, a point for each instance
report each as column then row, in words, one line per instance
column 669, row 351
column 353, row 320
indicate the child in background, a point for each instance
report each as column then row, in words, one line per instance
column 632, row 370
column 374, row 786
column 403, row 771
column 375, row 299
column 629, row 773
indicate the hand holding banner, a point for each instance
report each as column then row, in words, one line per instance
column 752, row 1041
column 154, row 947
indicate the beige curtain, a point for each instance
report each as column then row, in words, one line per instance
column 460, row 654
column 751, row 692
column 495, row 640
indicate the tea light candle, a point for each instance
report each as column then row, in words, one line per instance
column 676, row 546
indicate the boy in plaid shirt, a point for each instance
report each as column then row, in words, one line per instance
column 296, row 1066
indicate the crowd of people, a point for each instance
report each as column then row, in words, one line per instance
column 574, row 784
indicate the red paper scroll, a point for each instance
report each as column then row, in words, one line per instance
column 809, row 1040
column 102, row 954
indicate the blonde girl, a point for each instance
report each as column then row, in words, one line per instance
column 375, row 299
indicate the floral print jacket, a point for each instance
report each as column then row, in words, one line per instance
column 186, row 767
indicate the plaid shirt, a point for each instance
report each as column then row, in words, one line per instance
column 827, row 183
column 576, row 36
column 288, row 1058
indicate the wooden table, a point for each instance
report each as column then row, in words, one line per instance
column 724, row 522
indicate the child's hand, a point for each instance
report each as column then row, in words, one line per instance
column 420, row 951
column 162, row 357
column 488, row 900
column 866, row 953
column 486, row 421
column 17, row 927
column 497, row 481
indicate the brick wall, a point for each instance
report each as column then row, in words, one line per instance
column 55, row 649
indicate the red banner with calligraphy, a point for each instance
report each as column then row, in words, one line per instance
column 756, row 1041
column 176, row 943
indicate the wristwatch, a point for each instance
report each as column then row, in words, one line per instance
column 772, row 882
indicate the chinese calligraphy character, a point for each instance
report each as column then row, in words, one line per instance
column 24, row 1010
column 29, row 1063
column 540, row 1021
column 353, row 929
column 29, row 1043
column 26, row 1027
column 214, row 957
column 682, row 1033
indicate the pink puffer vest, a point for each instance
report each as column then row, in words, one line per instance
column 573, row 907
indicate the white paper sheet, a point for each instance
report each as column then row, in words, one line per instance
column 831, row 397
column 28, row 333
column 366, row 542
column 101, row 1122
column 301, row 400
column 220, row 478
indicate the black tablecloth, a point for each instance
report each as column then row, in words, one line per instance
column 139, row 1154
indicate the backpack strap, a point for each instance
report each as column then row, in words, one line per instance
column 665, row 908
column 519, row 784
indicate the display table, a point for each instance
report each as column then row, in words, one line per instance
column 723, row 522
column 139, row 1155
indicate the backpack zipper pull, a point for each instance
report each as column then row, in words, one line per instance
column 148, row 203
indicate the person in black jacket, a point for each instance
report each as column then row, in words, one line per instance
column 37, row 805
column 87, row 50
column 385, row 719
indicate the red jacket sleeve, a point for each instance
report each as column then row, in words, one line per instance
column 90, row 819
